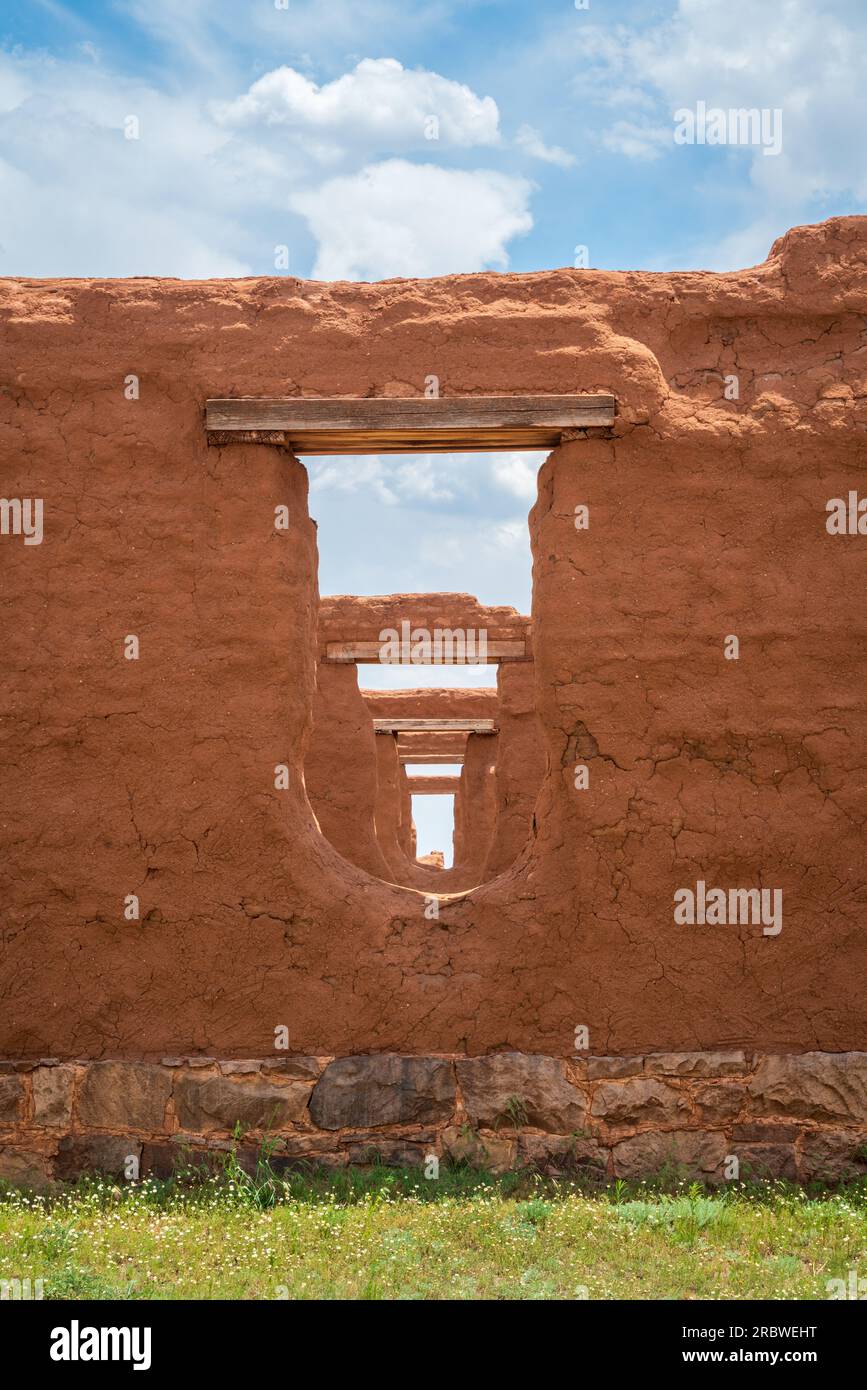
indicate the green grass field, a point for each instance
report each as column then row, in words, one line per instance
column 382, row 1234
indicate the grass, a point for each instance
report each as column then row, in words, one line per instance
column 391, row 1234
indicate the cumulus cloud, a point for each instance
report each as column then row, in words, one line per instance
column 417, row 523
column 379, row 105
column 78, row 198
column 451, row 483
column 397, row 218
column 195, row 196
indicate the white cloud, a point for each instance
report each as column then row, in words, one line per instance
column 402, row 219
column 638, row 140
column 80, row 199
column 380, row 105
column 419, row 523
column 355, row 473
column 529, row 140
column 517, row 473
column 511, row 535
column 423, row 479
column 805, row 57
column 195, row 198
column 214, row 35
column 446, row 483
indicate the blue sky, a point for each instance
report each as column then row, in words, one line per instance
column 309, row 127
column 301, row 126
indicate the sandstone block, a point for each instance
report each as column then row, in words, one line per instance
column 121, row 1095
column 215, row 1102
column 52, row 1095
column 392, row 1153
column 307, row 1147
column 823, row 1086
column 634, row 1101
column 11, row 1095
column 160, row 1160
column 695, row 1063
column 761, row 1132
column 487, row 1151
column 517, row 1089
column 613, row 1068
column 761, row 1161
column 833, row 1155
column 301, row 1067
column 383, row 1089
column 25, row 1168
column 94, row 1153
column 719, row 1102
column 695, row 1153
column 552, row 1153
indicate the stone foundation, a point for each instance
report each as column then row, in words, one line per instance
column 800, row 1116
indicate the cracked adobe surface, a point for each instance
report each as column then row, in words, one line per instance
column 156, row 776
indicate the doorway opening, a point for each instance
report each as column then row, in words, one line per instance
column 425, row 644
column 435, row 551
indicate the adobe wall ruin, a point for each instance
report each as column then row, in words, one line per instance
column 357, row 787
column 340, row 770
column 520, row 765
column 473, row 825
column 741, row 414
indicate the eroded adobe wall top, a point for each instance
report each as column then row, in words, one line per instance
column 175, row 778
column 791, row 329
column 346, row 618
column 431, row 703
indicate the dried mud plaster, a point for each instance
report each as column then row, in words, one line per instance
column 155, row 777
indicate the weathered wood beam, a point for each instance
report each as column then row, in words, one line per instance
column 438, row 726
column 433, row 759
column 376, row 425
column 368, row 653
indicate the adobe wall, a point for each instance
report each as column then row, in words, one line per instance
column 348, row 617
column 393, row 811
column 476, row 806
column 358, row 788
column 520, row 766
column 155, row 777
column 474, row 800
column 432, row 702
column 340, row 769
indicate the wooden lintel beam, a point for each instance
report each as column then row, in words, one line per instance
column 371, row 653
column 375, row 425
column 433, row 759
column 434, row 726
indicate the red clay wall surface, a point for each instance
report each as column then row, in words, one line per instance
column 474, row 807
column 156, row 776
column 340, row 771
column 520, row 765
